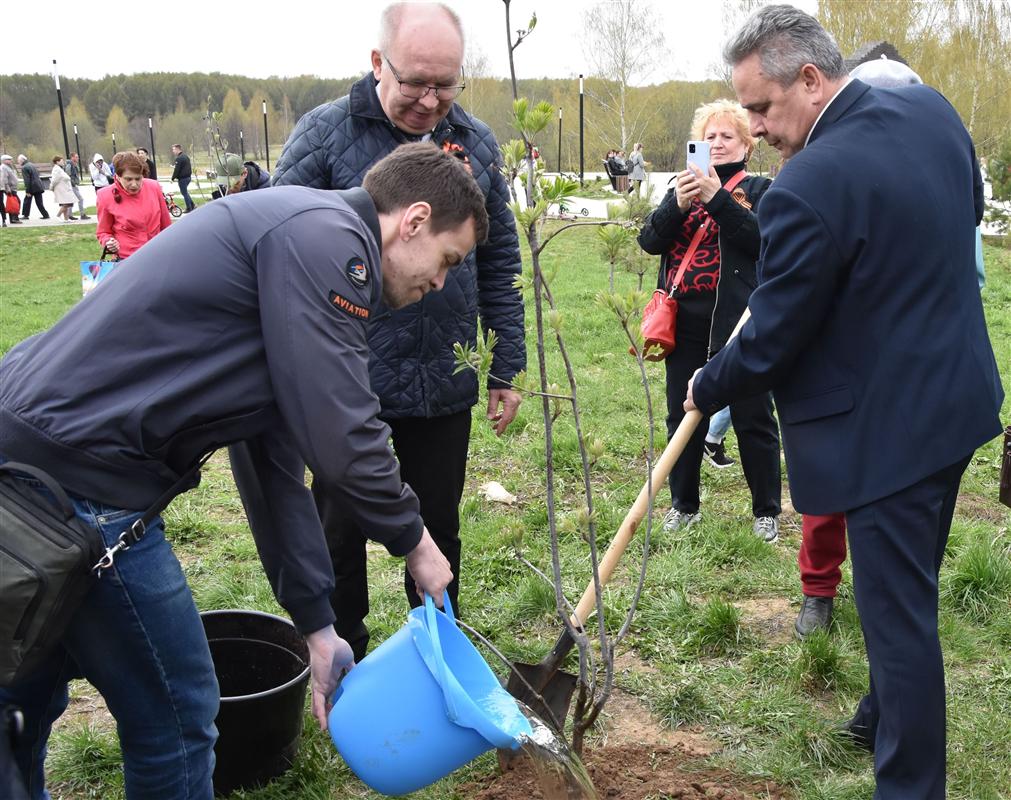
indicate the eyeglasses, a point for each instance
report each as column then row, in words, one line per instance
column 418, row 90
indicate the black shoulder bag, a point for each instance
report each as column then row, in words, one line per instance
column 49, row 560
column 1004, row 494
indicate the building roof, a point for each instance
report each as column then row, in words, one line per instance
column 871, row 51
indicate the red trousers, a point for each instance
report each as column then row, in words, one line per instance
column 822, row 551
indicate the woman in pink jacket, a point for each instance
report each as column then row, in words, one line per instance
column 132, row 210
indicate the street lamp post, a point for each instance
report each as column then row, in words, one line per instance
column 242, row 146
column 63, row 119
column 559, row 140
column 580, row 130
column 266, row 141
column 150, row 133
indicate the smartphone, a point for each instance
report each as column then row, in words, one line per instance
column 698, row 154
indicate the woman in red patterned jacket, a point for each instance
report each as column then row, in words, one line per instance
column 712, row 292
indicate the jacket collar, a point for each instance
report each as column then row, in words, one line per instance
column 362, row 204
column 729, row 170
column 364, row 102
column 839, row 105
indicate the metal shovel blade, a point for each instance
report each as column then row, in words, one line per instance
column 551, row 691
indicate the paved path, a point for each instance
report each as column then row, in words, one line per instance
column 88, row 193
column 597, row 209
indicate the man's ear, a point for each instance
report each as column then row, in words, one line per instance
column 414, row 219
column 377, row 64
column 812, row 79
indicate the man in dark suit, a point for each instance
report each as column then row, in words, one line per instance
column 868, row 327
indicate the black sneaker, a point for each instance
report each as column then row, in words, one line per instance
column 716, row 454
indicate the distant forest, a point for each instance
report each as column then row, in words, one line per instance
column 177, row 103
column 961, row 47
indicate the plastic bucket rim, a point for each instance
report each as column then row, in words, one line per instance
column 236, row 698
column 455, row 696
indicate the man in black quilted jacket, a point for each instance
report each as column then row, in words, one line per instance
column 408, row 96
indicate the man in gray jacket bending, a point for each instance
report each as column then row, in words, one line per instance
column 416, row 75
column 242, row 325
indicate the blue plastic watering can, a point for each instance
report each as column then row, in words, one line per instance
column 421, row 705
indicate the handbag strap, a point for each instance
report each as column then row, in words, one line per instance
column 730, row 185
column 136, row 531
column 66, row 507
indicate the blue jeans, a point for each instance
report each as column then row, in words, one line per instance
column 184, row 185
column 719, row 424
column 137, row 637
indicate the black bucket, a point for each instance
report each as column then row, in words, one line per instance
column 262, row 664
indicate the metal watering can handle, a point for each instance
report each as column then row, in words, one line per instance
column 433, row 631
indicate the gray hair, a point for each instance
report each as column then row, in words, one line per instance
column 785, row 39
column 389, row 22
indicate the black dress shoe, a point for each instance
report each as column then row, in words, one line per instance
column 815, row 614
column 860, row 734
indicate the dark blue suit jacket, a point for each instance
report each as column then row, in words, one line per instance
column 867, row 323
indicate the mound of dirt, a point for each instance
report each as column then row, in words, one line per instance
column 633, row 772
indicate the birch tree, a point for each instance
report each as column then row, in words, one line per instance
column 624, row 44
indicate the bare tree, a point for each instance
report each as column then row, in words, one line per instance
column 475, row 70
column 624, row 44
column 733, row 13
column 981, row 34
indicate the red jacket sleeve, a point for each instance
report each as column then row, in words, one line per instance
column 164, row 220
column 106, row 219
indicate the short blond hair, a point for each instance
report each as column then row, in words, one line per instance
column 730, row 109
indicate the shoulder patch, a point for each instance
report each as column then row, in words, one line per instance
column 348, row 307
column 357, row 272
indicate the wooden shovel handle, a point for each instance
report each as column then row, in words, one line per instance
column 626, row 531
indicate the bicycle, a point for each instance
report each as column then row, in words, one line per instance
column 173, row 209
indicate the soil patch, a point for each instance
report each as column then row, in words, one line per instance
column 629, row 662
column 771, row 617
column 633, row 772
column 976, row 507
column 86, row 708
column 626, row 720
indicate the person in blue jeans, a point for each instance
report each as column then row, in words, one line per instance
column 181, row 173
column 254, row 337
column 156, row 678
column 713, row 448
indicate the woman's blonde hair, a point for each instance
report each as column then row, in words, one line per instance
column 730, row 109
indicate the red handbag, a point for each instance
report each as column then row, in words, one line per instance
column 13, row 205
column 659, row 317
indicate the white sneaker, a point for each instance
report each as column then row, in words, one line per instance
column 766, row 529
column 676, row 520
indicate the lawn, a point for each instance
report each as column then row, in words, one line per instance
column 711, row 657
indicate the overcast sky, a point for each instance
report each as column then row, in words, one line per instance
column 209, row 36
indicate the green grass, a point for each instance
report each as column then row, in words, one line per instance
column 979, row 580
column 772, row 703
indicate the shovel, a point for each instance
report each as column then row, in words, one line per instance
column 545, row 688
